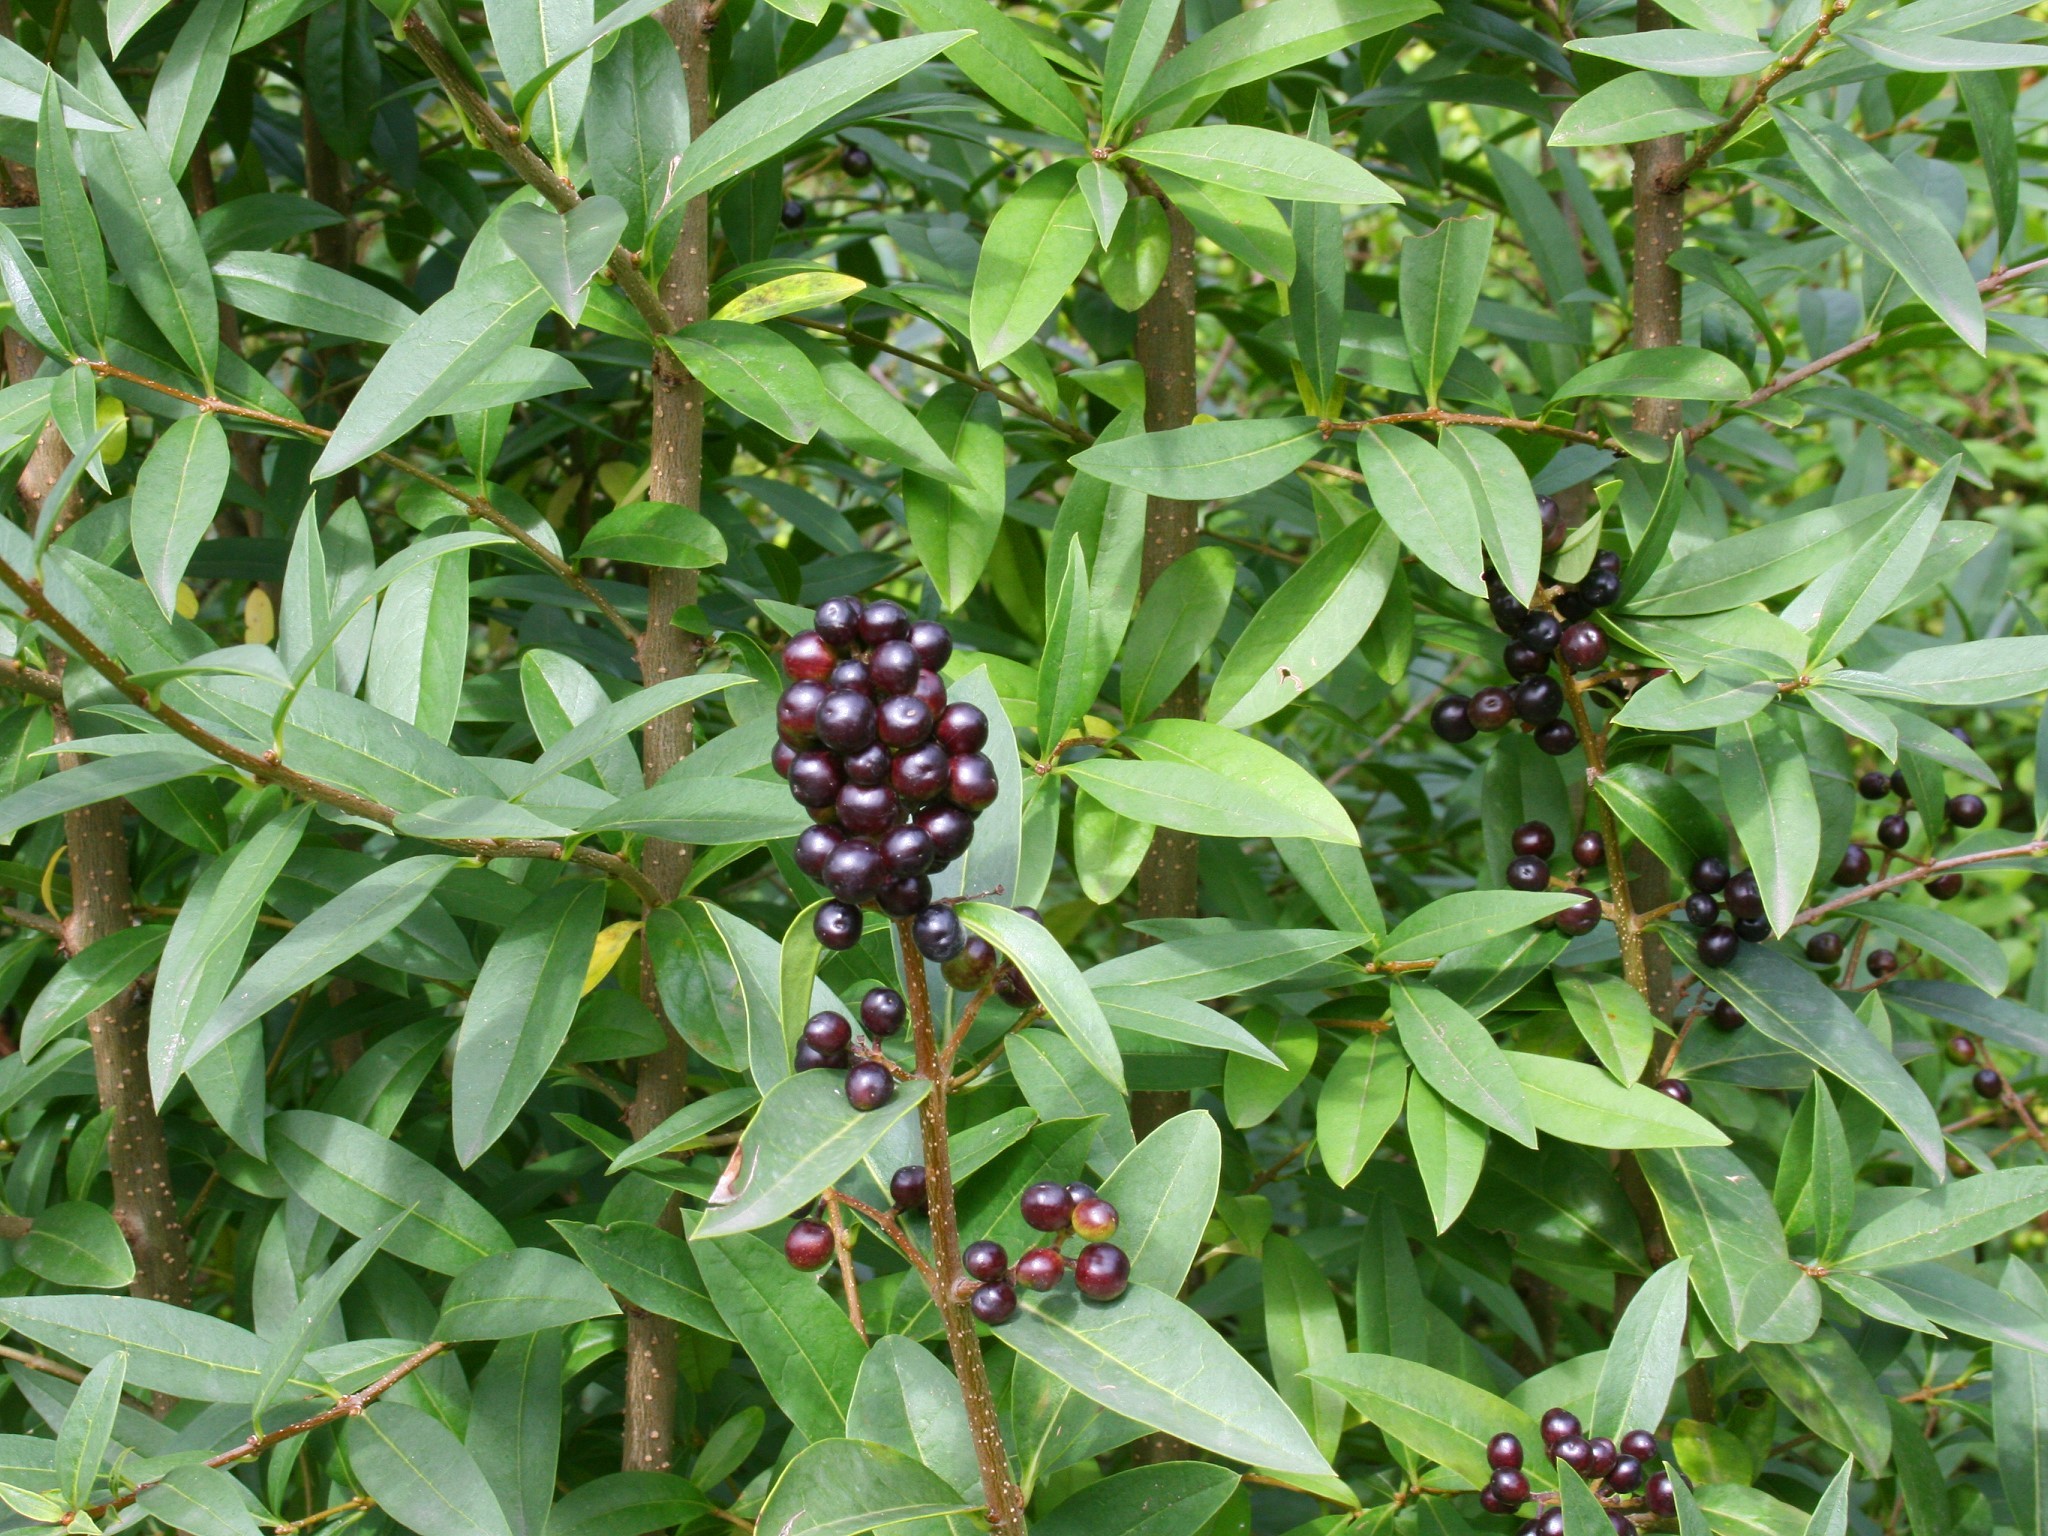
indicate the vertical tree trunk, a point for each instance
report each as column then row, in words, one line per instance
column 676, row 474
column 1167, row 886
column 145, row 1207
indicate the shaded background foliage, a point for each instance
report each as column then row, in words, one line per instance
column 427, row 424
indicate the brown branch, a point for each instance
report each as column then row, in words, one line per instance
column 478, row 507
column 1917, row 872
column 41, row 1363
column 893, row 1227
column 347, row 1406
column 843, row 1249
column 347, row 1506
column 31, row 680
column 1443, row 418
column 265, row 770
column 1675, row 178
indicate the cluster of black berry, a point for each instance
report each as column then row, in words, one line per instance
column 828, row 1042
column 1617, row 1471
column 892, row 774
column 1533, row 843
column 809, row 1243
column 1714, row 887
column 1534, row 639
column 1102, row 1271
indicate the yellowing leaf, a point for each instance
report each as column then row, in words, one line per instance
column 789, row 295
column 611, row 943
column 188, row 602
column 259, row 618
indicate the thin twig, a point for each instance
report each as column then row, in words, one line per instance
column 1443, row 418
column 1917, row 872
column 348, row 1506
column 843, row 1250
column 1011, row 398
column 31, row 680
column 41, row 1363
column 1676, row 178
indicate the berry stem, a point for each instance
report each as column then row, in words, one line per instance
column 843, row 1250
column 1626, row 930
column 1005, row 1502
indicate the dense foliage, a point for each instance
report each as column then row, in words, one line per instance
column 931, row 767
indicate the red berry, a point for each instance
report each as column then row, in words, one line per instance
column 808, row 658
column 1102, row 1272
column 1962, row 1050
column 869, row 1085
column 1040, row 1269
column 1556, row 1425
column 906, row 1188
column 985, row 1260
column 930, row 692
column 1046, row 1206
column 808, row 1245
column 1094, row 1219
column 962, row 728
column 994, row 1303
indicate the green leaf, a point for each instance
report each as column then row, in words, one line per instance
column 1253, row 1089
column 1137, row 41
column 840, row 1487
column 170, row 1349
column 904, row 1397
column 1958, row 943
column 1180, row 616
column 797, row 1337
column 1259, row 771
column 339, row 931
column 1191, row 799
column 802, row 1139
column 1434, row 1414
column 1504, row 501
column 1675, row 51
column 1175, row 1498
column 520, row 1011
column 200, row 1501
column 1217, row 964
column 2019, row 1407
column 315, row 1305
column 1360, row 1102
column 1974, row 672
column 1263, row 162
column 1265, row 41
column 1769, row 792
column 1465, row 918
column 1958, row 1215
column 953, row 527
column 1761, row 562
column 999, row 55
column 77, row 1244
column 1164, row 1191
column 1427, row 501
column 359, row 1180
column 651, row 1268
column 1303, row 631
column 87, row 1427
column 90, row 979
column 1662, row 814
column 1877, row 208
column 1666, row 373
column 150, row 231
column 107, row 778
column 783, row 114
column 1579, row 1102
column 1644, row 1356
column 1336, row 879
column 520, row 1291
column 1303, row 1334
column 1053, row 976
column 35, row 307
column 1156, row 1361
column 564, row 251
column 1825, row 1384
column 1630, row 109
column 1441, row 275
column 298, row 291
column 177, row 492
column 210, row 936
column 636, row 120
column 1454, row 1053
column 420, row 1474
column 628, row 1504
column 71, row 235
column 1068, row 679
column 1038, row 242
column 757, row 371
column 1721, row 1220
column 1869, row 584
column 1614, row 1019
column 515, row 1426
column 1784, row 1002
column 1210, row 461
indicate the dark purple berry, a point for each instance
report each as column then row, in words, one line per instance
column 1726, row 1017
column 869, row 767
column 971, row 781
column 1855, row 866
column 1583, row 918
column 1717, row 946
column 1575, row 1451
column 903, row 722
column 1701, row 910
column 1657, row 1494
column 1523, row 661
column 894, row 667
column 794, row 212
column 808, row 658
column 808, row 1060
column 1671, row 1088
column 933, row 644
column 856, row 161
column 1600, row 588
column 882, row 621
column 1541, row 633
column 994, row 1303
column 1899, row 786
column 837, row 925
column 1539, row 701
column 1528, row 873
column 1491, row 708
column 962, row 728
column 869, row 1085
column 1824, row 948
column 906, row 1188
column 938, row 934
column 1966, row 811
column 1589, row 850
column 1744, row 896
column 1604, row 1457
column 908, row 851
column 814, row 779
column 814, row 847
column 828, row 1033
column 846, row 720
column 838, row 620
column 1557, row 1424
column 985, row 1260
column 1503, row 1450
column 972, row 966
column 1639, row 1443
column 930, row 692
column 1046, row 1207
column 950, row 829
column 1510, row 1486
column 1582, row 646
column 852, row 676
column 882, row 1012
column 868, row 812
column 1709, row 875
column 905, row 897
column 919, row 775
column 1626, row 1475
column 1882, row 963
column 796, row 712
column 1534, row 840
column 1988, row 1083
column 855, row 872
column 1874, row 785
column 1894, row 830
column 1557, row 738
column 1013, row 989
column 1946, row 887
column 1452, row 719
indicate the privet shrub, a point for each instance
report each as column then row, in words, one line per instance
column 925, row 766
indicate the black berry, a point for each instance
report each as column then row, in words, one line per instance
column 1966, row 810
column 869, row 1085
column 808, row 1245
column 906, row 1188
column 1717, row 946
column 882, row 1012
column 985, row 1260
column 1533, row 839
column 994, row 1303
